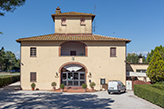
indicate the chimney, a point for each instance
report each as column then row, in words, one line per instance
column 58, row 10
column 140, row 59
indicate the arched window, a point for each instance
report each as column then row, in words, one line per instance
column 63, row 21
column 82, row 21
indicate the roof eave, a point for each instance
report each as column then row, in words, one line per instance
column 53, row 16
column 19, row 41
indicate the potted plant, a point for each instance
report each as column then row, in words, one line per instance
column 53, row 84
column 92, row 84
column 84, row 86
column 62, row 87
column 33, row 86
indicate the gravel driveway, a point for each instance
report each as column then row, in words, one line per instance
column 51, row 100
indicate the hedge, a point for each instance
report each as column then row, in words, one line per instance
column 7, row 80
column 159, row 86
column 150, row 93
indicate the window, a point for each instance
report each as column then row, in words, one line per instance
column 113, row 52
column 141, row 70
column 73, row 53
column 33, row 77
column 33, row 51
column 63, row 21
column 82, row 21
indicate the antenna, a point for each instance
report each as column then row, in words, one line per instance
column 95, row 19
column 113, row 34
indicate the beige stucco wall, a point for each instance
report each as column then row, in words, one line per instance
column 139, row 67
column 73, row 25
column 48, row 62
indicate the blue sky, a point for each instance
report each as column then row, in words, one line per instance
column 141, row 21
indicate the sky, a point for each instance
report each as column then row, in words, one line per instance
column 141, row 21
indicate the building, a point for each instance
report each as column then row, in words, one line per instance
column 136, row 74
column 72, row 55
column 137, row 70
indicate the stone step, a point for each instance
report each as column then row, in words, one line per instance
column 15, row 87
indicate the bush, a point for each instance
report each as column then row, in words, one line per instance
column 84, row 86
column 150, row 93
column 92, row 84
column 7, row 80
column 158, row 86
column 62, row 86
column 53, row 84
column 33, row 85
column 161, row 82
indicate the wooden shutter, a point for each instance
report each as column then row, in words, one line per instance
column 113, row 52
column 33, row 51
column 33, row 76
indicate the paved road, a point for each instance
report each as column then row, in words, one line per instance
column 51, row 100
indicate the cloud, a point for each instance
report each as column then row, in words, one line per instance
column 143, row 52
column 17, row 54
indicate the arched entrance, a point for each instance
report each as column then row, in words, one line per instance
column 73, row 75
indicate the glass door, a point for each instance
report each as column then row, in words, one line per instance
column 73, row 78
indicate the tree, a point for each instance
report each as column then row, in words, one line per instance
column 2, row 57
column 9, row 5
column 159, row 48
column 8, row 60
column 133, row 58
column 155, row 71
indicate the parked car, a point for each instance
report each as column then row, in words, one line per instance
column 116, row 86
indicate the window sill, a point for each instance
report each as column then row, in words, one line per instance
column 72, row 56
column 113, row 56
column 33, row 56
column 82, row 24
column 64, row 24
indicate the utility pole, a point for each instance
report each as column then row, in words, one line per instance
column 11, row 71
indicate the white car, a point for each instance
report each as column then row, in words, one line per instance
column 116, row 86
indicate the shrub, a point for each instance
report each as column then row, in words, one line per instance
column 150, row 93
column 33, row 85
column 158, row 86
column 62, row 86
column 7, row 80
column 92, row 84
column 84, row 86
column 53, row 84
column 161, row 82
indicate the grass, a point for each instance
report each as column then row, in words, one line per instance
column 9, row 72
column 4, row 76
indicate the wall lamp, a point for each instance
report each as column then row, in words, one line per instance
column 56, row 74
column 90, row 75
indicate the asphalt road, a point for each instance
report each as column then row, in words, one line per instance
column 51, row 100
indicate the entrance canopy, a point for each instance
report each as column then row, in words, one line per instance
column 73, row 67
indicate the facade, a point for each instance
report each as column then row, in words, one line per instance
column 72, row 55
column 137, row 70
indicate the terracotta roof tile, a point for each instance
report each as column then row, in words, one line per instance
column 72, row 37
column 73, row 14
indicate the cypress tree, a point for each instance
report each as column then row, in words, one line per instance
column 155, row 71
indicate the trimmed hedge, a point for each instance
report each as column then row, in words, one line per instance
column 150, row 93
column 7, row 80
column 159, row 86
